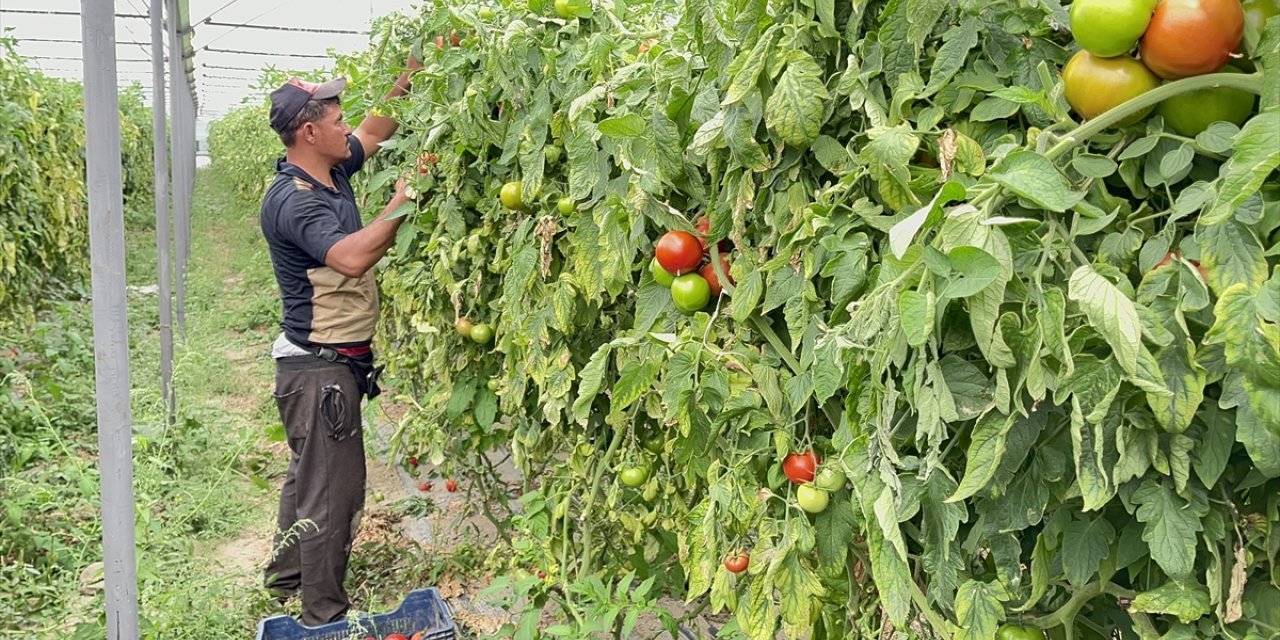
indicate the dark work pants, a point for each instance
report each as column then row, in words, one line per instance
column 323, row 494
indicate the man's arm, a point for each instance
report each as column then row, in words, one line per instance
column 356, row 253
column 376, row 129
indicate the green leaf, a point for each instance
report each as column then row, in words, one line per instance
column 630, row 125
column 951, row 55
column 1171, row 527
column 636, row 378
column 590, row 380
column 1188, row 601
column 1218, row 138
column 796, row 107
column 915, row 310
column 828, row 370
column 1256, row 156
column 993, row 108
column 1251, row 344
column 1210, row 458
column 584, row 164
column 1034, row 177
column 902, row 233
column 986, row 448
column 739, row 134
column 1232, row 255
column 1185, row 379
column 1086, row 543
column 835, row 527
column 1262, row 444
column 1088, row 446
column 979, row 610
column 1094, row 166
column 1110, row 312
column 887, row 156
column 747, row 67
column 746, row 297
column 977, row 270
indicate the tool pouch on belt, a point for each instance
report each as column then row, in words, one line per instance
column 366, row 374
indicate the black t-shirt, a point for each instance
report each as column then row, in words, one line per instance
column 301, row 220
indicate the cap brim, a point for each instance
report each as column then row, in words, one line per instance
column 330, row 89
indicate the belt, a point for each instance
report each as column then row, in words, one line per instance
column 331, row 354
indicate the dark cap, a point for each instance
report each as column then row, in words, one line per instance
column 289, row 99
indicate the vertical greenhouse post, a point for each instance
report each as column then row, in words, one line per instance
column 110, row 319
column 161, row 159
column 177, row 78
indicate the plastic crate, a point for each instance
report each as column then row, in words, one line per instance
column 422, row 610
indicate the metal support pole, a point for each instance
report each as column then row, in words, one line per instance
column 160, row 157
column 110, row 319
column 178, row 84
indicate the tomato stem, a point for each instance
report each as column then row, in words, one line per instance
column 603, row 464
column 1251, row 83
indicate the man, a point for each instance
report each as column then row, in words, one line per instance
column 323, row 258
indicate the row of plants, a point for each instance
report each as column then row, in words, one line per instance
column 975, row 368
column 43, row 209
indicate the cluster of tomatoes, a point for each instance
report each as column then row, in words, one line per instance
column 816, row 484
column 400, row 636
column 1174, row 39
column 678, row 265
column 411, row 463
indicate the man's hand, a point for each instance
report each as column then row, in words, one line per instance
column 355, row 254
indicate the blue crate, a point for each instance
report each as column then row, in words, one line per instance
column 422, row 610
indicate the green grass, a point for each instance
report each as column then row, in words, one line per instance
column 201, row 479
column 201, row 484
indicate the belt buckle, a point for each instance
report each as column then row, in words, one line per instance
column 325, row 353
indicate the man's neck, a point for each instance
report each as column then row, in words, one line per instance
column 315, row 167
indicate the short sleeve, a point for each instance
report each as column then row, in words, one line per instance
column 353, row 164
column 311, row 224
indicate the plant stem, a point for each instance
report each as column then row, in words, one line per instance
column 1251, row 83
column 605, row 460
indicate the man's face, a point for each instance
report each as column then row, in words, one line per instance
column 330, row 135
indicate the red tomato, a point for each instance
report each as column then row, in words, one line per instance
column 454, row 38
column 439, row 42
column 737, row 563
column 703, row 227
column 708, row 273
column 679, row 252
column 424, row 486
column 450, row 486
column 800, row 467
column 413, row 461
column 1168, row 257
column 1191, row 37
column 395, row 636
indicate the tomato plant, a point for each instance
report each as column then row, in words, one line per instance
column 1094, row 85
column 1191, row 37
column 945, row 285
column 1109, row 28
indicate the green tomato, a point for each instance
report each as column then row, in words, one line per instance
column 690, row 292
column 1110, row 28
column 1257, row 12
column 481, row 333
column 569, row 9
column 634, row 476
column 829, row 479
column 512, row 196
column 1015, row 632
column 492, row 384
column 566, row 206
column 485, row 13
column 812, row 499
column 1093, row 85
column 654, row 443
column 1191, row 113
column 660, row 275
